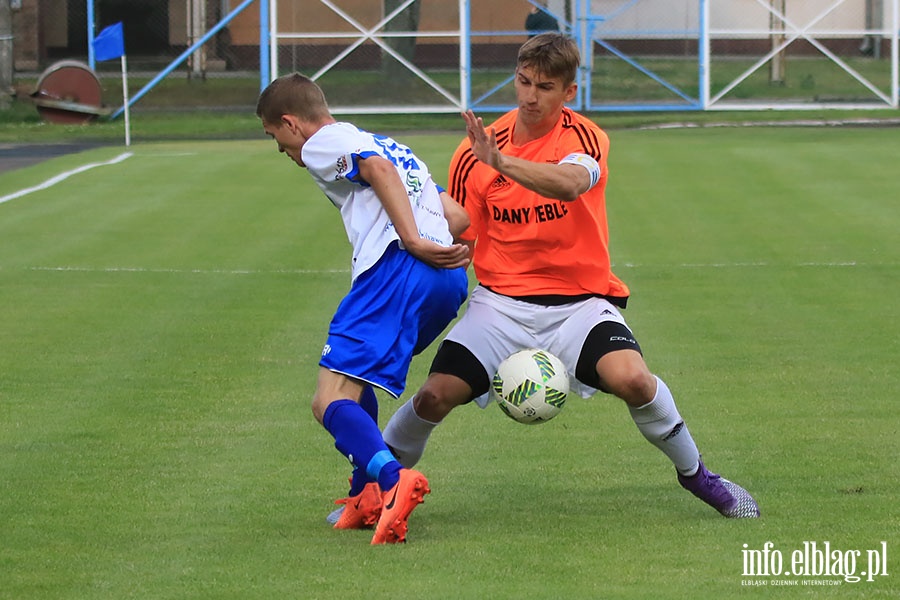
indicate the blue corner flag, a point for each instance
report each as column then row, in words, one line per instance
column 110, row 43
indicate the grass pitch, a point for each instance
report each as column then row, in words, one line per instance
column 160, row 322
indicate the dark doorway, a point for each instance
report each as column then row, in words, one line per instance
column 145, row 23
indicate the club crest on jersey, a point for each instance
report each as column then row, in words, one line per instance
column 413, row 182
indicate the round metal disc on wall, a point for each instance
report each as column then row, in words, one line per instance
column 69, row 92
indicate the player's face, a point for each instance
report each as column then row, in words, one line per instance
column 286, row 134
column 541, row 98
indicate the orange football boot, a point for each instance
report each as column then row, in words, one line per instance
column 360, row 511
column 397, row 504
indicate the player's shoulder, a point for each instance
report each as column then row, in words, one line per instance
column 575, row 120
column 335, row 138
column 330, row 146
column 505, row 121
column 342, row 130
column 578, row 128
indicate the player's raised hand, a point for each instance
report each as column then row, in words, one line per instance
column 484, row 143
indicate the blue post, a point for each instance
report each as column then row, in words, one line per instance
column 703, row 57
column 465, row 40
column 265, row 72
column 90, row 33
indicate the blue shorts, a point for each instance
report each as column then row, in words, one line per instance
column 392, row 312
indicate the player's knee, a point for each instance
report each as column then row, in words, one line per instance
column 319, row 406
column 433, row 401
column 635, row 386
column 429, row 405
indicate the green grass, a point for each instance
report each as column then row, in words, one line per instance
column 22, row 124
column 160, row 322
column 223, row 107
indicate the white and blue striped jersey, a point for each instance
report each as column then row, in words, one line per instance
column 332, row 157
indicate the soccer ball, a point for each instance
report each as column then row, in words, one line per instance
column 531, row 386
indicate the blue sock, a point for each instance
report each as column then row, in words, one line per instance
column 358, row 481
column 357, row 437
column 359, row 478
column 369, row 402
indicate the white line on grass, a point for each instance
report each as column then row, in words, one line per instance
column 62, row 176
column 193, row 271
column 849, row 263
column 864, row 122
column 168, row 154
column 738, row 265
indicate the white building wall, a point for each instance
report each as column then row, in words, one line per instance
column 655, row 18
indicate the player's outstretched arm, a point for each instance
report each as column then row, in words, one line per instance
column 558, row 181
column 381, row 174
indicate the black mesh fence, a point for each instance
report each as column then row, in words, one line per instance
column 419, row 55
column 156, row 33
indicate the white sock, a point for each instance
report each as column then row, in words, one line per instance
column 406, row 433
column 663, row 427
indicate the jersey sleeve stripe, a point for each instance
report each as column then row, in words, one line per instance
column 588, row 140
column 461, row 171
column 503, row 137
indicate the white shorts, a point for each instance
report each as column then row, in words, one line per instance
column 494, row 326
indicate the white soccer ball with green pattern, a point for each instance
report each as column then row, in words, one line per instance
column 531, row 386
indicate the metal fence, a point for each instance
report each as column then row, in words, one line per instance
column 398, row 56
column 416, row 55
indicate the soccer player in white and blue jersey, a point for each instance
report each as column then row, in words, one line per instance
column 408, row 282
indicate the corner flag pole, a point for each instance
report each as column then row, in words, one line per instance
column 125, row 101
column 109, row 44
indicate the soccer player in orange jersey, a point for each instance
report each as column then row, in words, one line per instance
column 534, row 188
